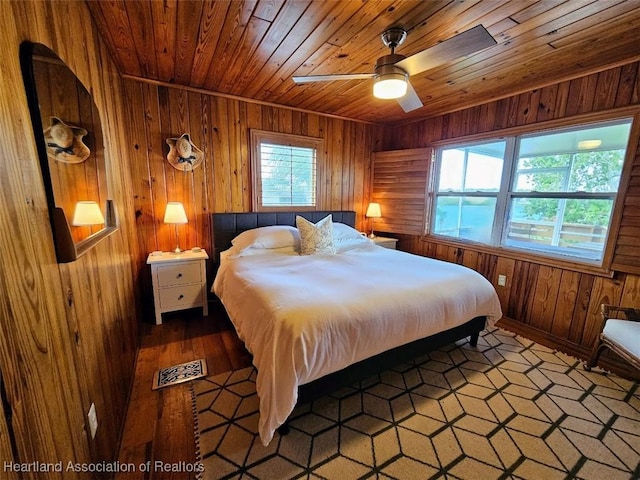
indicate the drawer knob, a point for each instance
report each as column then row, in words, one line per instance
column 179, row 275
column 180, row 297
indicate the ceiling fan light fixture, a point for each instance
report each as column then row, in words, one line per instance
column 389, row 86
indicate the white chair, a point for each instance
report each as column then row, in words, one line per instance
column 620, row 332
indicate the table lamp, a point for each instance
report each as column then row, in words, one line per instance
column 176, row 215
column 373, row 211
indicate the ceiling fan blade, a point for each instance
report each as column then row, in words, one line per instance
column 410, row 100
column 330, row 78
column 469, row 41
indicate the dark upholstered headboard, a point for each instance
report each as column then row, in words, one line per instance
column 225, row 226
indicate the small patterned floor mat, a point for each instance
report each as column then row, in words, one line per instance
column 176, row 374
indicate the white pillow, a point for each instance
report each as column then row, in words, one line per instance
column 347, row 238
column 342, row 231
column 315, row 237
column 346, row 244
column 274, row 236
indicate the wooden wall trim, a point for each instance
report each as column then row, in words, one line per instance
column 203, row 91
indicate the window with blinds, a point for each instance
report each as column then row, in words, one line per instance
column 285, row 170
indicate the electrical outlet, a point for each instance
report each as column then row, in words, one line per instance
column 502, row 280
column 93, row 420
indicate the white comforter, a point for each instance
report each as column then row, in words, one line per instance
column 303, row 317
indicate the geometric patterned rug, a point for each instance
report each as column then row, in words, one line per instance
column 508, row 408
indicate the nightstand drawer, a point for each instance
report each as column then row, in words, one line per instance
column 184, row 295
column 179, row 274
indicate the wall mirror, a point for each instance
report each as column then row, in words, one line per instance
column 70, row 145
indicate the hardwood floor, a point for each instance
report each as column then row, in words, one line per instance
column 159, row 424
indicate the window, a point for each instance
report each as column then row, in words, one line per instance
column 551, row 192
column 285, row 170
column 468, row 188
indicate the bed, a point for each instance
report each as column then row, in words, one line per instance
column 312, row 321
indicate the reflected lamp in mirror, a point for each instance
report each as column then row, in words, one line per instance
column 87, row 213
column 373, row 211
column 175, row 214
column 66, row 249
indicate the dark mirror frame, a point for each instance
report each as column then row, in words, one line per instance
column 67, row 250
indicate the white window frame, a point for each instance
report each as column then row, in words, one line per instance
column 507, row 193
column 257, row 138
column 500, row 198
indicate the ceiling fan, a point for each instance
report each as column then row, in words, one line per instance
column 391, row 74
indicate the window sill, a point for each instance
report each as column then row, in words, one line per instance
column 526, row 256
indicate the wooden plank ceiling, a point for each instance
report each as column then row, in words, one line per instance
column 252, row 48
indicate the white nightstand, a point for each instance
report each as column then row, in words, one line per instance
column 179, row 281
column 385, row 242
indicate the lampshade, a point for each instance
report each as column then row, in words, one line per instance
column 373, row 211
column 87, row 213
column 390, row 85
column 175, row 213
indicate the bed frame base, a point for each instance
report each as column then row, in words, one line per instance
column 385, row 360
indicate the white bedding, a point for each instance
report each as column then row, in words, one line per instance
column 303, row 317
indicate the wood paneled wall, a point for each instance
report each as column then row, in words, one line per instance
column 68, row 331
column 558, row 305
column 220, row 127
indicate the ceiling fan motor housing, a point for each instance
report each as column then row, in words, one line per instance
column 390, row 81
column 386, row 66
